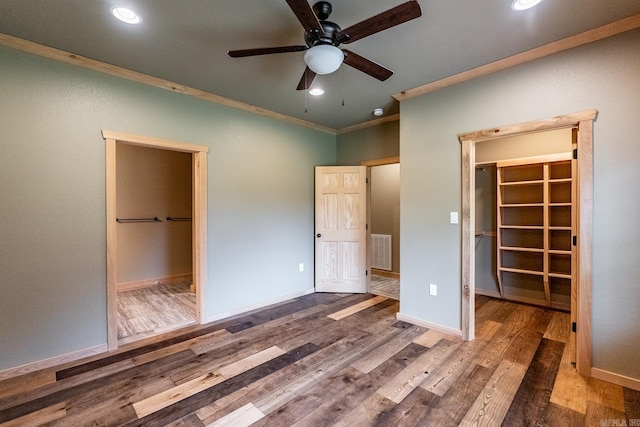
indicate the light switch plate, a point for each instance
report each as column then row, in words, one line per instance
column 453, row 217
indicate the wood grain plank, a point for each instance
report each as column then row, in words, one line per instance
column 570, row 388
column 523, row 347
column 384, row 351
column 559, row 416
column 559, row 328
column 40, row 417
column 367, row 413
column 606, row 394
column 487, row 330
column 25, row 383
column 333, row 357
column 632, row 403
column 447, row 373
column 61, row 395
column 242, row 417
column 429, row 338
column 517, row 320
column 409, row 378
column 196, row 401
column 346, row 390
column 410, row 411
column 598, row 415
column 195, row 344
column 357, row 308
column 492, row 404
column 530, row 404
column 159, row 401
column 328, row 372
column 451, row 408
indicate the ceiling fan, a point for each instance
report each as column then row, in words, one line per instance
column 323, row 38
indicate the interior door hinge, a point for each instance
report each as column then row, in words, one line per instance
column 575, row 153
column 366, row 272
column 573, row 327
column 366, row 180
column 575, row 240
column 367, row 227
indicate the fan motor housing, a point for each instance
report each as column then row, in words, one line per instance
column 331, row 29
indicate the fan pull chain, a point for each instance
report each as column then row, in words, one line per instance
column 306, row 90
column 342, row 75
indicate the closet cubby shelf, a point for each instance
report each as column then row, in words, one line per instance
column 535, row 225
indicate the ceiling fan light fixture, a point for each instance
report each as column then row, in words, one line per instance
column 323, row 58
column 125, row 15
column 316, row 91
column 524, row 4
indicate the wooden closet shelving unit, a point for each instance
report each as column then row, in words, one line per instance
column 535, row 230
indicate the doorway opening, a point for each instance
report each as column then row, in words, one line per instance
column 189, row 223
column 582, row 123
column 385, row 226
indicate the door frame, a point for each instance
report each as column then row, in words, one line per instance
column 381, row 162
column 583, row 122
column 199, row 219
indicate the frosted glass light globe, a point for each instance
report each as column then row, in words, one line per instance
column 323, row 58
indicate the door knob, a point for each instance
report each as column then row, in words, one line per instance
column 318, row 235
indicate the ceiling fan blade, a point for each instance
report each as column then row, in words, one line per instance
column 392, row 17
column 366, row 66
column 305, row 15
column 306, row 80
column 265, row 51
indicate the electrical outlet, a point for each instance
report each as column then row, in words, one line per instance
column 433, row 290
column 301, row 267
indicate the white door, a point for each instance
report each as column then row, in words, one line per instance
column 341, row 231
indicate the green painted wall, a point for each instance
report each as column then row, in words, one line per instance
column 602, row 75
column 375, row 142
column 52, row 214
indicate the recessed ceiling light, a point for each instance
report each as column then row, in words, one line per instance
column 126, row 15
column 524, row 4
column 316, row 91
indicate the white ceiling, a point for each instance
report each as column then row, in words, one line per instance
column 186, row 42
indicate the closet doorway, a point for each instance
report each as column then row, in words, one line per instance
column 156, row 264
column 385, row 226
column 582, row 126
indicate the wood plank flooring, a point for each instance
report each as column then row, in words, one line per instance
column 151, row 310
column 385, row 286
column 329, row 360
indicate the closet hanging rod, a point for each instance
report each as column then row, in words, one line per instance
column 178, row 219
column 126, row 220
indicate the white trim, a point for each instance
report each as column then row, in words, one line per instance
column 618, row 379
column 52, row 361
column 429, row 325
column 248, row 308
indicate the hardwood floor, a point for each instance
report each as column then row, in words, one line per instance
column 328, row 359
column 151, row 310
column 385, row 286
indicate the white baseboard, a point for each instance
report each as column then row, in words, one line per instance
column 245, row 309
column 52, row 361
column 613, row 378
column 436, row 327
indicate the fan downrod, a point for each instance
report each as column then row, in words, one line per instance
column 322, row 9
